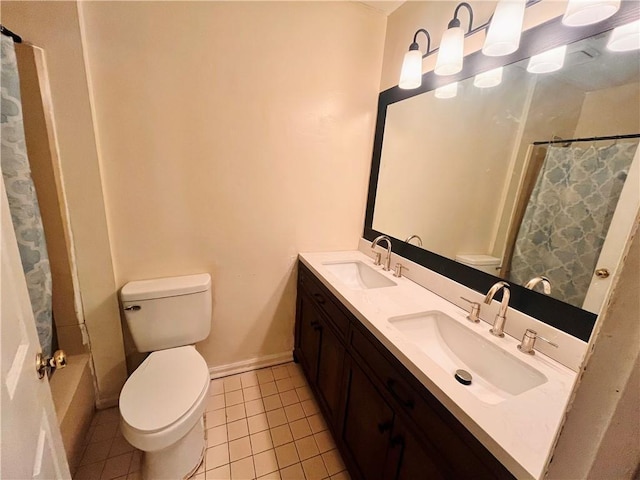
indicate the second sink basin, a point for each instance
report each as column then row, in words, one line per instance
column 358, row 276
column 497, row 375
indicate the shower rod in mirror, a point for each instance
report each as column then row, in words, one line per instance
column 586, row 139
column 8, row 33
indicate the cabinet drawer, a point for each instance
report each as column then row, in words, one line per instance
column 321, row 297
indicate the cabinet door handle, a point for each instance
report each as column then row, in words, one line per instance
column 391, row 384
column 397, row 441
column 319, row 298
column 384, row 426
column 315, row 323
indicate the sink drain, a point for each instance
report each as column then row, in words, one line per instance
column 463, row 377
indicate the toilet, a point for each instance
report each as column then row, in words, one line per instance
column 163, row 401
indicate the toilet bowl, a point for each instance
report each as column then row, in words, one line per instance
column 161, row 409
column 162, row 403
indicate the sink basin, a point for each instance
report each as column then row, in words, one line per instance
column 358, row 276
column 497, row 375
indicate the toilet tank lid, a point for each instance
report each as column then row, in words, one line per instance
column 477, row 259
column 165, row 287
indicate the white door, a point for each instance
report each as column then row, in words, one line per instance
column 622, row 226
column 30, row 441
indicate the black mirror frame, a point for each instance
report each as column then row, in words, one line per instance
column 563, row 316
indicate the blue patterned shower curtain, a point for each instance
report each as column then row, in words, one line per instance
column 568, row 216
column 21, row 194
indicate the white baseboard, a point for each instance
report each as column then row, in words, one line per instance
column 251, row 364
column 107, row 402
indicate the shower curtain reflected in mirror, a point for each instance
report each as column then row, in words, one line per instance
column 21, row 194
column 568, row 216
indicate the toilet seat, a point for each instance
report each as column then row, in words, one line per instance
column 164, row 397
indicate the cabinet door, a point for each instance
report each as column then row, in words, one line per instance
column 410, row 458
column 330, row 368
column 368, row 420
column 309, row 336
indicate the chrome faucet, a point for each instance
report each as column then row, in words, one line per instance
column 378, row 256
column 546, row 284
column 417, row 237
column 501, row 317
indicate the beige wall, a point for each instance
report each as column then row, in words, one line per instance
column 601, row 437
column 45, row 171
column 610, row 111
column 232, row 136
column 54, row 27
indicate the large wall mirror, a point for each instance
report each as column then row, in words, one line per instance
column 535, row 176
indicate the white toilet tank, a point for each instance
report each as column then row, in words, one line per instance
column 168, row 312
column 484, row 263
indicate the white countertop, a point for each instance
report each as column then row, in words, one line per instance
column 519, row 431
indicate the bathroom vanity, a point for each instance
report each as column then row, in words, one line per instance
column 395, row 412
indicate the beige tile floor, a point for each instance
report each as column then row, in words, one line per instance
column 263, row 424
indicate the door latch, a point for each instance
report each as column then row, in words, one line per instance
column 45, row 365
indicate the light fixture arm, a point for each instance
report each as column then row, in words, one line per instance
column 415, row 46
column 455, row 22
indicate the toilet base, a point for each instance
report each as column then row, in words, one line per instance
column 177, row 461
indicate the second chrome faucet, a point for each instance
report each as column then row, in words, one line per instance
column 501, row 317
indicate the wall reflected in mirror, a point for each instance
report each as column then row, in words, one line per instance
column 495, row 178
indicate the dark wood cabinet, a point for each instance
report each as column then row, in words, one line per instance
column 411, row 458
column 387, row 425
column 308, row 323
column 319, row 347
column 330, row 362
column 368, row 421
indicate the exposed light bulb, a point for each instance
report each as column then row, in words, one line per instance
column 625, row 38
column 451, row 52
column 586, row 12
column 448, row 91
column 548, row 61
column 505, row 29
column 488, row 79
column 411, row 73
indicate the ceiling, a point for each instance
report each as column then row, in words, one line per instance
column 384, row 6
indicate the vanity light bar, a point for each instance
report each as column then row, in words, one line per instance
column 504, row 30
